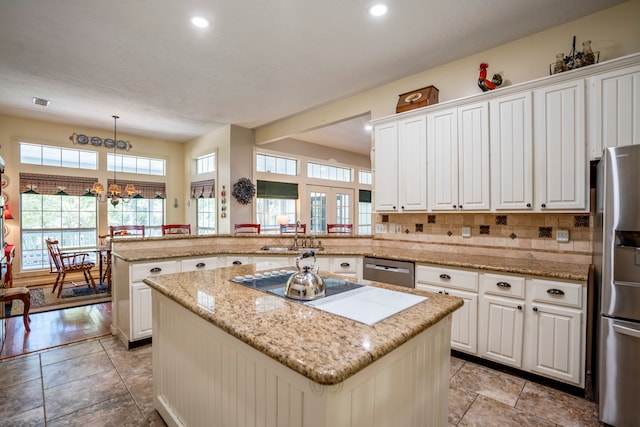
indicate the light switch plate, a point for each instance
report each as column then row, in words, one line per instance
column 466, row 231
column 562, row 236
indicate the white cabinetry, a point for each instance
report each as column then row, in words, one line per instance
column 458, row 158
column 400, row 159
column 501, row 321
column 614, row 109
column 560, row 147
column 341, row 265
column 556, row 330
column 511, row 126
column 459, row 283
column 198, row 264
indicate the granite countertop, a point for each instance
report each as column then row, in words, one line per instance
column 524, row 266
column 323, row 347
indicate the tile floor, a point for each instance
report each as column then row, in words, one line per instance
column 97, row 382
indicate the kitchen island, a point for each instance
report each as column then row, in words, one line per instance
column 225, row 354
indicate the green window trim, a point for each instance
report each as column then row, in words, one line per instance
column 364, row 196
column 277, row 190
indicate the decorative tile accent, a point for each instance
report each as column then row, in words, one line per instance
column 485, row 229
column 581, row 221
column 501, row 220
column 431, row 219
column 419, row 228
column 545, row 232
column 513, row 236
column 385, row 218
column 449, row 233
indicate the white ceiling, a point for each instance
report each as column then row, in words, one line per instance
column 259, row 61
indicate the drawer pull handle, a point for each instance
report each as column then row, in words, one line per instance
column 237, row 262
column 444, row 276
column 554, row 291
column 519, row 307
column 200, row 265
column 535, row 308
column 344, row 264
column 441, row 292
column 503, row 285
column 155, row 270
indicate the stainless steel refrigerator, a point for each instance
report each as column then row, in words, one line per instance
column 617, row 276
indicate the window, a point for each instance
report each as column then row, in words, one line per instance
column 276, row 164
column 206, row 216
column 44, row 155
column 332, row 173
column 364, row 212
column 133, row 164
column 55, row 207
column 273, row 200
column 206, row 164
column 364, row 177
column 147, row 212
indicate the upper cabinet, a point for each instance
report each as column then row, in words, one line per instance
column 614, row 109
column 458, row 158
column 511, row 126
column 400, row 165
column 560, row 147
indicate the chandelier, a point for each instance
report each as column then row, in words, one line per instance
column 115, row 191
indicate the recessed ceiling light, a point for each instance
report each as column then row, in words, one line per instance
column 378, row 10
column 199, row 21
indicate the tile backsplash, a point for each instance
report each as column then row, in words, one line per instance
column 525, row 231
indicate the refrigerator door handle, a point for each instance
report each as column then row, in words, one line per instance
column 626, row 331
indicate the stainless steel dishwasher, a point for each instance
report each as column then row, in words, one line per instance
column 400, row 273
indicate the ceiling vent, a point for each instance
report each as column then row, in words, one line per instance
column 41, row 102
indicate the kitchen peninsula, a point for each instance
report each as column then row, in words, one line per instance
column 225, row 354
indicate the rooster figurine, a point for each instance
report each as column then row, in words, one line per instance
column 486, row 84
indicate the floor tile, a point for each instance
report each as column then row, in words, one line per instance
column 121, row 411
column 496, row 385
column 72, row 369
column 83, row 393
column 70, row 352
column 134, row 362
column 31, row 418
column 486, row 412
column 459, row 402
column 141, row 388
column 19, row 370
column 455, row 365
column 561, row 408
column 22, row 398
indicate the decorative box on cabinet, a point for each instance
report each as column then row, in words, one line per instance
column 458, row 283
column 400, row 161
column 560, row 147
column 458, row 158
column 511, row 124
column 614, row 109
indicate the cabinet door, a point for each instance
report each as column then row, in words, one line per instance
column 560, row 147
column 141, row 319
column 198, row 264
column 555, row 342
column 614, row 108
column 412, row 161
column 473, row 151
column 386, row 167
column 501, row 329
column 464, row 333
column 511, row 152
column 442, row 159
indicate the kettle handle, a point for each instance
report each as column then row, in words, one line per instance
column 306, row 255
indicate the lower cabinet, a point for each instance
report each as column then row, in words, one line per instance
column 458, row 283
column 141, row 311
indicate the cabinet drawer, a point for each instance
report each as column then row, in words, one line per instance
column 448, row 277
column 140, row 271
column 506, row 286
column 237, row 260
column 196, row 264
column 345, row 265
column 559, row 293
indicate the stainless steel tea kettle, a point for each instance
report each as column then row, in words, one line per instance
column 306, row 284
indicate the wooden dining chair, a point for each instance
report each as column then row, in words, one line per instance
column 20, row 293
column 62, row 263
column 340, row 229
column 291, row 229
column 176, row 229
column 126, row 230
column 246, row 228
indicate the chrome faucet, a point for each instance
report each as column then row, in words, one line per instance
column 295, row 236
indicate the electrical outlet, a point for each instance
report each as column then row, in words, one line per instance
column 466, row 231
column 562, row 236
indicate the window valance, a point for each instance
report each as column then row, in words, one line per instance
column 276, row 190
column 144, row 189
column 203, row 189
column 55, row 184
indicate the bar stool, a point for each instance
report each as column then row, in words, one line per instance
column 22, row 294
